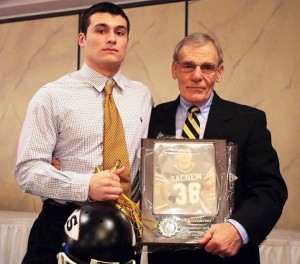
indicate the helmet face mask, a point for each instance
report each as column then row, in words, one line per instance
column 97, row 233
column 64, row 259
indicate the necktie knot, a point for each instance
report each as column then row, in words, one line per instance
column 109, row 87
column 194, row 109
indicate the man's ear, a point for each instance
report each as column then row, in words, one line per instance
column 81, row 39
column 220, row 73
column 174, row 70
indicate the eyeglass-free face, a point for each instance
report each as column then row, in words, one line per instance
column 197, row 72
column 105, row 43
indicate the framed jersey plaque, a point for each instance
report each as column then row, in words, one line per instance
column 185, row 189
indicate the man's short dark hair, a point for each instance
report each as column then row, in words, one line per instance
column 103, row 7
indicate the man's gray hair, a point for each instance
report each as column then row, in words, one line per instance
column 199, row 39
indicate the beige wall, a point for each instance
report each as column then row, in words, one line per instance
column 32, row 53
column 261, row 52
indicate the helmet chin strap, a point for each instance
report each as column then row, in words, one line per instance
column 64, row 259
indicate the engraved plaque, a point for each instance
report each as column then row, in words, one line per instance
column 184, row 189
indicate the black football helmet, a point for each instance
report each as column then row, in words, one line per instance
column 98, row 233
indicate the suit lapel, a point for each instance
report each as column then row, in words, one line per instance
column 219, row 117
column 168, row 124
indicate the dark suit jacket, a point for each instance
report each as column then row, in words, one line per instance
column 260, row 191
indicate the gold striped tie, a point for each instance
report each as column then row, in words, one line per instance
column 114, row 143
column 191, row 127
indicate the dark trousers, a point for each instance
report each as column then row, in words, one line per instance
column 248, row 254
column 47, row 233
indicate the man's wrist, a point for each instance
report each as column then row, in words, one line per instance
column 90, row 200
column 242, row 231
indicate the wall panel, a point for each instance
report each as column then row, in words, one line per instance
column 32, row 54
column 155, row 30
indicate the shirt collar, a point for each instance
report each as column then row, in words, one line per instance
column 98, row 80
column 203, row 108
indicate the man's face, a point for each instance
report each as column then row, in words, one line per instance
column 105, row 43
column 197, row 86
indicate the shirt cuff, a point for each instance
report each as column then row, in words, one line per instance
column 240, row 229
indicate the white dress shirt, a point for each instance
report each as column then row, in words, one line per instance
column 65, row 119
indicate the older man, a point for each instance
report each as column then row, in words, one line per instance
column 260, row 191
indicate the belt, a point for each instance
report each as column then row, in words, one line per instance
column 62, row 208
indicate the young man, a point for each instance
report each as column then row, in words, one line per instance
column 65, row 119
column 260, row 191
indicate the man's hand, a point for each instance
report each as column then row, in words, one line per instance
column 56, row 163
column 222, row 239
column 105, row 185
